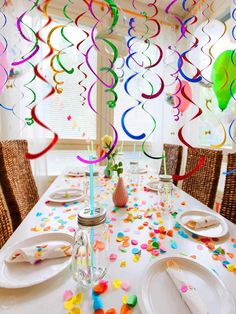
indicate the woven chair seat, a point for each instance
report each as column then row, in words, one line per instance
column 6, row 228
column 228, row 206
column 173, row 159
column 202, row 185
column 17, row 179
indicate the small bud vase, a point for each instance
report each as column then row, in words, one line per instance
column 120, row 195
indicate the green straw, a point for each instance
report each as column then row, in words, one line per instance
column 164, row 161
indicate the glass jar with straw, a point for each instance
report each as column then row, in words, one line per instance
column 165, row 189
column 90, row 258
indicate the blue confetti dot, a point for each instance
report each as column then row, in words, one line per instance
column 38, row 214
column 173, row 245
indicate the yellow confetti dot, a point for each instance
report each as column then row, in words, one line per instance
column 124, row 299
column 116, row 283
column 230, row 267
column 69, row 304
column 75, row 310
column 136, row 258
column 123, row 264
column 160, row 221
column 78, row 298
column 72, row 217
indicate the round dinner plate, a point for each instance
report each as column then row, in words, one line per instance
column 158, row 294
column 216, row 231
column 152, row 185
column 66, row 195
column 20, row 275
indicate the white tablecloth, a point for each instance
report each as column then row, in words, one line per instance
column 47, row 298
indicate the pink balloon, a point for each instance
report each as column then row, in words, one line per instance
column 3, row 65
column 184, row 102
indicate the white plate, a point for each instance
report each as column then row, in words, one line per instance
column 74, row 173
column 152, row 185
column 212, row 232
column 142, row 170
column 20, row 275
column 66, row 195
column 159, row 295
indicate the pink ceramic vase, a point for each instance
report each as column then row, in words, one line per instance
column 120, row 195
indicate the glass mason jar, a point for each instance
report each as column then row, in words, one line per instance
column 133, row 164
column 165, row 193
column 90, row 256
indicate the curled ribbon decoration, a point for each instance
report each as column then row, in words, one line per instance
column 151, row 66
column 53, row 142
column 234, row 63
column 111, row 86
column 35, row 48
column 114, row 129
column 3, row 47
column 197, row 78
column 129, row 57
column 43, row 79
column 222, row 143
column 81, row 82
column 180, row 135
column 111, row 90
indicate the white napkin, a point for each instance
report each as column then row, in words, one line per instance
column 189, row 294
column 66, row 194
column 42, row 251
column 202, row 222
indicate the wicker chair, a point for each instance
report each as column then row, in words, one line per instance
column 6, row 229
column 228, row 206
column 173, row 159
column 203, row 183
column 17, row 179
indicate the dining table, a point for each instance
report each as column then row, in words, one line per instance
column 137, row 222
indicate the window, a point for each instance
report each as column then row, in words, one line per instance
column 67, row 113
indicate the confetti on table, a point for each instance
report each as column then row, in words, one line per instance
column 113, row 257
column 116, row 283
column 125, row 285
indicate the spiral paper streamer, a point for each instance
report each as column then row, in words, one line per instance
column 110, row 86
column 35, row 48
column 129, row 57
column 180, row 135
column 222, row 143
column 234, row 63
column 3, row 70
column 81, row 82
column 43, row 79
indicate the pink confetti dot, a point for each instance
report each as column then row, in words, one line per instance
column 144, row 246
column 155, row 252
column 113, row 257
column 68, row 294
column 184, row 288
column 200, row 247
column 134, row 242
column 125, row 285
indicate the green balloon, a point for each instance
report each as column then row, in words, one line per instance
column 223, row 76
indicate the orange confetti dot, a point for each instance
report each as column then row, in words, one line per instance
column 211, row 246
column 158, row 214
column 99, row 311
column 125, row 309
column 125, row 244
column 162, row 229
column 151, row 234
column 161, row 236
column 215, row 257
column 126, row 238
column 145, row 223
column 231, row 255
column 149, row 248
column 140, row 227
column 100, row 288
column 183, row 203
column 193, row 256
column 111, row 311
column 170, row 233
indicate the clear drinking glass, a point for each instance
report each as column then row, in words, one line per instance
column 90, row 258
column 165, row 193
